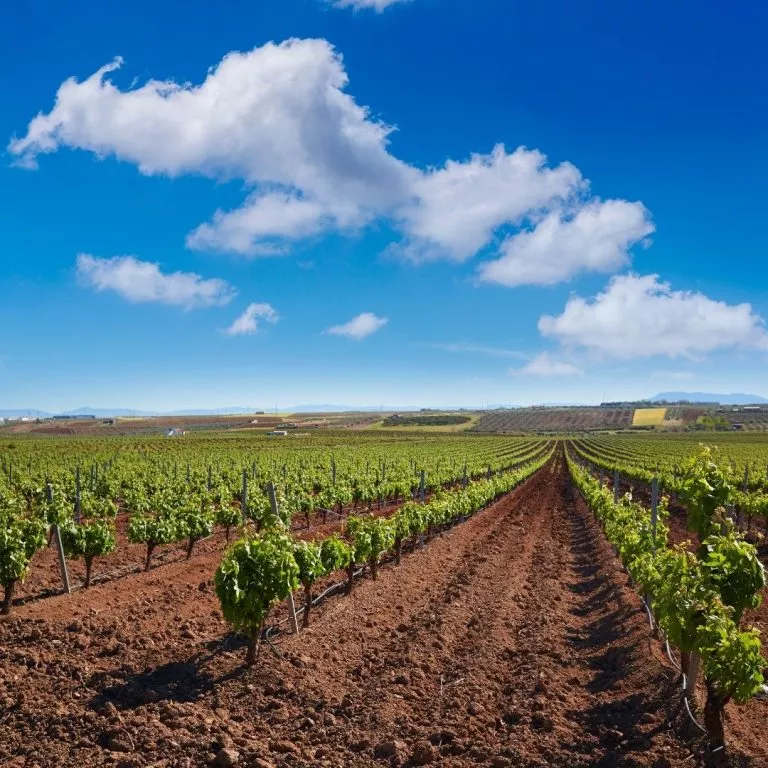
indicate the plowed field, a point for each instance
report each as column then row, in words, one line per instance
column 512, row 640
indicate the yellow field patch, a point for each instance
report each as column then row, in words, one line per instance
column 648, row 417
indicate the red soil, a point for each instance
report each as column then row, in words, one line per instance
column 512, row 640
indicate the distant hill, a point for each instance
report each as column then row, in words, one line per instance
column 337, row 408
column 326, row 408
column 709, row 397
column 104, row 413
column 234, row 410
column 19, row 413
column 554, row 419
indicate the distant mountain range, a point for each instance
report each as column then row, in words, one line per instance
column 337, row 408
column 17, row 413
column 104, row 413
column 709, row 397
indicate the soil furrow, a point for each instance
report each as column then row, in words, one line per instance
column 512, row 640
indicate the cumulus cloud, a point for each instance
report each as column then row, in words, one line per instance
column 248, row 322
column 640, row 316
column 312, row 159
column 277, row 115
column 596, row 238
column 359, row 327
column 256, row 228
column 546, row 365
column 456, row 209
column 143, row 281
column 376, row 5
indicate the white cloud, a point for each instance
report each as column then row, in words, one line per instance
column 359, row 327
column 639, row 316
column 376, row 5
column 143, row 281
column 248, row 322
column 478, row 349
column 457, row 208
column 596, row 238
column 312, row 159
column 546, row 365
column 249, row 229
column 277, row 115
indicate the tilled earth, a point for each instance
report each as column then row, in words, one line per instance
column 512, row 640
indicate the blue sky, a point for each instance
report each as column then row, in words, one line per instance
column 425, row 202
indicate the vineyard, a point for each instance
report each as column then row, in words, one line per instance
column 145, row 498
column 551, row 419
column 383, row 598
column 744, row 456
column 576, row 419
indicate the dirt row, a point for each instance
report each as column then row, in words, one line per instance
column 746, row 724
column 512, row 640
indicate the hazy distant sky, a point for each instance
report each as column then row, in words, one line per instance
column 423, row 202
